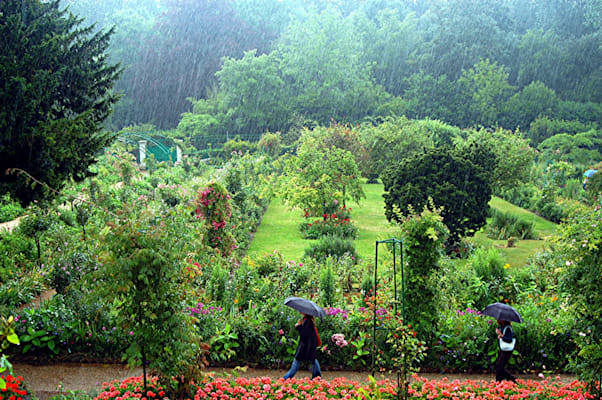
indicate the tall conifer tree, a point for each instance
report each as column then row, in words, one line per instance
column 55, row 91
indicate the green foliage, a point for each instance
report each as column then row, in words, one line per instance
column 486, row 88
column 407, row 350
column 330, row 246
column 70, row 268
column 54, row 131
column 454, row 183
column 223, row 344
column 328, row 283
column 423, row 236
column 331, row 224
column 143, row 278
column 17, row 252
column 505, row 225
column 505, row 156
column 7, row 337
column 9, row 209
column 581, row 243
column 320, row 175
column 213, row 208
column 395, row 136
column 581, row 148
column 543, row 128
column 216, row 286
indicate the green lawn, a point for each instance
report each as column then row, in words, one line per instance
column 279, row 229
column 518, row 255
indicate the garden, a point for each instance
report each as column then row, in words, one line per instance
column 166, row 267
column 171, row 171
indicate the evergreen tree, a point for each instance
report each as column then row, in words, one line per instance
column 55, row 91
column 452, row 181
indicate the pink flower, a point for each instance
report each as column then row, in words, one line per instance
column 281, row 332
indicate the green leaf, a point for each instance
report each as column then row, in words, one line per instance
column 13, row 338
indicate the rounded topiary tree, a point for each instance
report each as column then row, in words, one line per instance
column 452, row 181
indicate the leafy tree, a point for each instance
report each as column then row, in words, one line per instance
column 524, row 107
column 181, row 59
column 390, row 41
column 453, row 182
column 321, row 63
column 486, row 89
column 55, row 93
column 255, row 92
column 319, row 177
column 459, row 33
column 391, row 140
column 142, row 276
column 581, row 148
column 581, row 243
column 430, row 97
column 504, row 155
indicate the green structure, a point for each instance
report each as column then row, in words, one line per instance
column 148, row 145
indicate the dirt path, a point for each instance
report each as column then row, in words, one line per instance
column 43, row 380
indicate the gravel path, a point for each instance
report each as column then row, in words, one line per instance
column 43, row 380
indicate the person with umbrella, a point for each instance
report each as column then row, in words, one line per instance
column 504, row 314
column 308, row 333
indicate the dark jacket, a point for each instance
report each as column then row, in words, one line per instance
column 308, row 342
column 508, row 333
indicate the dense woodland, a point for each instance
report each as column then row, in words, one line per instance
column 218, row 68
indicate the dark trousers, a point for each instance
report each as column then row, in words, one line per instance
column 501, row 373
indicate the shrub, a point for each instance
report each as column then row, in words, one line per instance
column 331, row 246
column 17, row 252
column 506, row 225
column 269, row 263
column 68, row 269
column 9, row 209
column 216, row 286
column 335, row 224
column 328, row 283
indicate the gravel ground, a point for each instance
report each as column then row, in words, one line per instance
column 43, row 380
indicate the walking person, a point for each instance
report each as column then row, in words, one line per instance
column 506, row 339
column 306, row 350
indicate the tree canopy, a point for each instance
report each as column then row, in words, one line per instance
column 453, row 182
column 55, row 91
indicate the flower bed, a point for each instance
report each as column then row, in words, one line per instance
column 341, row 388
column 14, row 388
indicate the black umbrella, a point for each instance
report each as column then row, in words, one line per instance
column 502, row 312
column 305, row 306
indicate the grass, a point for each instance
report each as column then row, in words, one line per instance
column 279, row 230
column 279, row 227
column 518, row 255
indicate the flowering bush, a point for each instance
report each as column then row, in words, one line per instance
column 213, row 206
column 14, row 388
column 337, row 223
column 341, row 388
